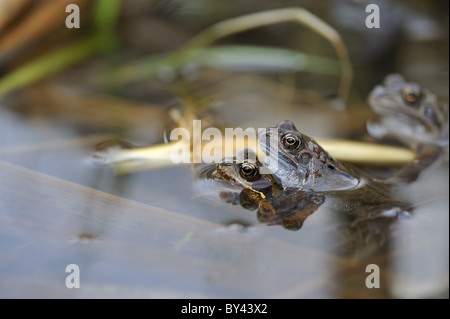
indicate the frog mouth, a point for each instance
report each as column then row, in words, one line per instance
column 207, row 172
column 221, row 173
column 215, row 178
column 334, row 180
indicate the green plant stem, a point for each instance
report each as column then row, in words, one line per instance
column 54, row 62
column 233, row 57
column 260, row 19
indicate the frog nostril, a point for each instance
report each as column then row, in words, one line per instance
column 331, row 167
column 305, row 158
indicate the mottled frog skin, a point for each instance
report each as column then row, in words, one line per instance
column 413, row 116
column 302, row 162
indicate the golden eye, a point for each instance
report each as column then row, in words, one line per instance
column 412, row 94
column 248, row 171
column 291, row 141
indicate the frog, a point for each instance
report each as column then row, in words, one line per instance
column 305, row 165
column 299, row 161
column 414, row 117
column 411, row 115
column 291, row 206
column 275, row 204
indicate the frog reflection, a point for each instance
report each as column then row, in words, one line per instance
column 413, row 116
column 289, row 206
column 275, row 204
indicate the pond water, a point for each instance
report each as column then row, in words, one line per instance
column 151, row 234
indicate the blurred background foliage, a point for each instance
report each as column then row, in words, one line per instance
column 121, row 46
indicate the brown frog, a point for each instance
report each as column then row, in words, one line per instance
column 303, row 164
column 300, row 162
column 415, row 117
column 275, row 205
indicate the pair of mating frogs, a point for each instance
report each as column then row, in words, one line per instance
column 306, row 176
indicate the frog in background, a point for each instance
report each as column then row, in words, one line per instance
column 414, row 117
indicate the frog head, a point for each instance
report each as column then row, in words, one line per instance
column 244, row 174
column 302, row 162
column 408, row 112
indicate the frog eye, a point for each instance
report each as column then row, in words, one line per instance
column 248, row 171
column 412, row 94
column 291, row 141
